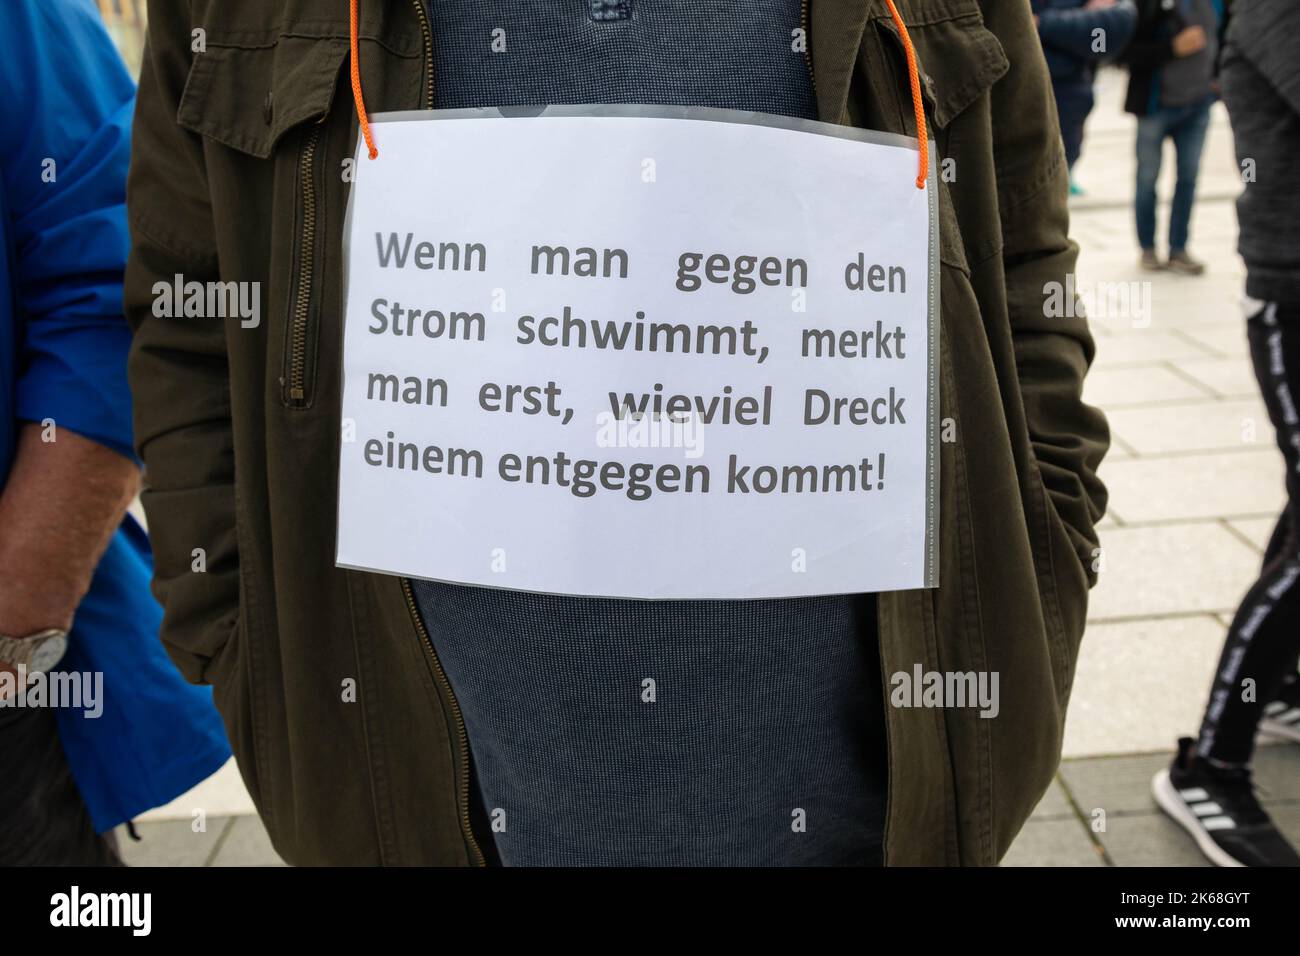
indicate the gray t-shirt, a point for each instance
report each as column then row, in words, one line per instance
column 615, row 732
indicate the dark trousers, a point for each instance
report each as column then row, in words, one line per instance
column 1074, row 102
column 43, row 821
column 1263, row 642
column 1186, row 126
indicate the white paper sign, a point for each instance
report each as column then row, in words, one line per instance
column 760, row 293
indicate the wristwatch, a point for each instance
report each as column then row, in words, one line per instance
column 35, row 653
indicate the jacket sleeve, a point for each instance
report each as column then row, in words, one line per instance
column 1150, row 46
column 1053, row 352
column 178, row 367
column 1072, row 30
column 64, row 148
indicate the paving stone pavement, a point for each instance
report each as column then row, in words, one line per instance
column 239, row 840
column 1099, row 812
column 1195, row 486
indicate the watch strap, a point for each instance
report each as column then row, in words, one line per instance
column 18, row 650
column 13, row 650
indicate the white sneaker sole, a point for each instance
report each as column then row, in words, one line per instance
column 1278, row 729
column 1166, row 796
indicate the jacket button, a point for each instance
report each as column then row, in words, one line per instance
column 266, row 108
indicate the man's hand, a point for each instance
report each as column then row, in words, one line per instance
column 1189, row 40
column 58, row 510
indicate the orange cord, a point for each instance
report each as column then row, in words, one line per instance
column 918, row 105
column 357, row 98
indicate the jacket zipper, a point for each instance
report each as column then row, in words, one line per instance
column 297, row 378
column 426, row 35
column 805, row 24
column 462, row 736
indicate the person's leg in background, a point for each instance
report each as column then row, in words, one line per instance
column 1071, row 129
column 1208, row 788
column 1266, row 139
column 1188, row 134
column 1073, row 104
column 1150, row 142
column 1281, row 715
column 1264, row 638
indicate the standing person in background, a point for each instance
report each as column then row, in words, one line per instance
column 74, row 567
column 1076, row 36
column 1171, row 88
column 1207, row 789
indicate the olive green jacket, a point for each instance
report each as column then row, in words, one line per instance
column 345, row 728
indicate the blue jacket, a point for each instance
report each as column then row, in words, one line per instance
column 64, row 147
column 1066, row 31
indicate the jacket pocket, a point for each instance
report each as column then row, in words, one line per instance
column 958, row 57
column 959, row 60
column 269, row 102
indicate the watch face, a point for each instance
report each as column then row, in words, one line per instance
column 47, row 653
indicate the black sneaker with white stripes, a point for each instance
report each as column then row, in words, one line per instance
column 1217, row 806
column 1282, row 716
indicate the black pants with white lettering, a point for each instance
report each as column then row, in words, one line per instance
column 1264, row 640
column 43, row 821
